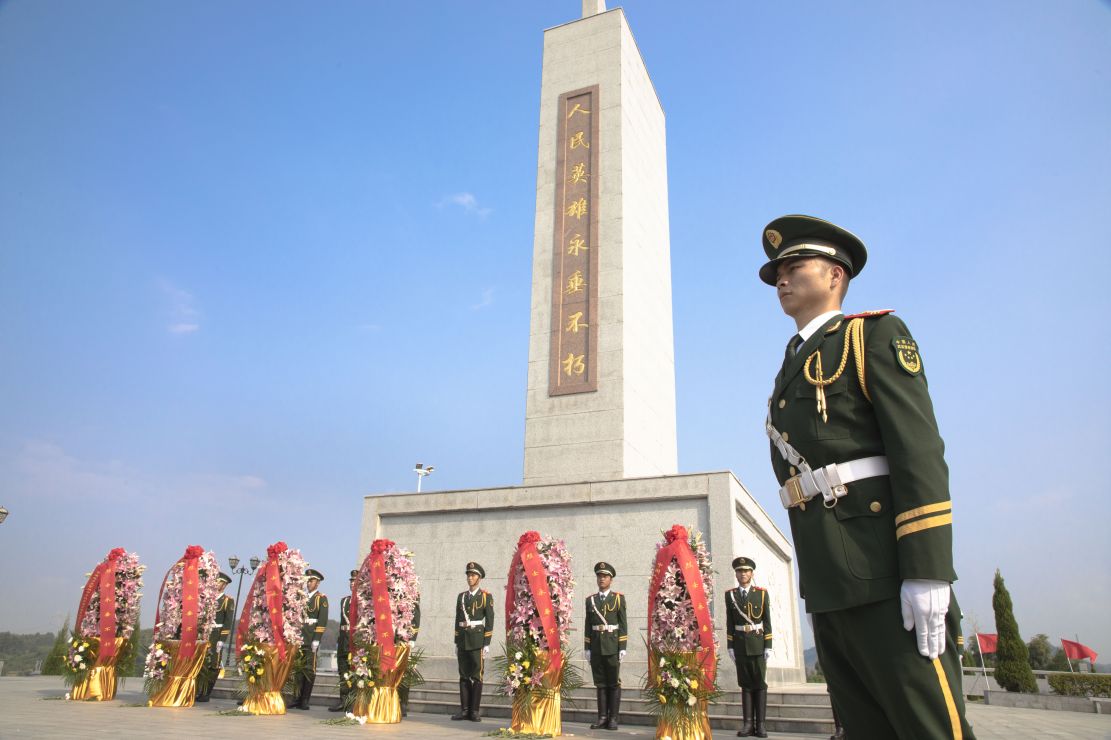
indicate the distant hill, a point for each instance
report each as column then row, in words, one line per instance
column 810, row 658
column 20, row 653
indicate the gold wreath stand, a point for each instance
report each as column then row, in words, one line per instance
column 180, row 688
column 538, row 711
column 696, row 725
column 381, row 705
column 266, row 698
column 100, row 681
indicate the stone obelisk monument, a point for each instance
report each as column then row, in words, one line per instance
column 600, row 463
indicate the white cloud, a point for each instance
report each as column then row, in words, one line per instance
column 184, row 316
column 486, row 300
column 468, row 203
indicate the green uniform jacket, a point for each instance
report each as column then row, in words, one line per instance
column 472, row 609
column 343, row 642
column 416, row 621
column 887, row 528
column 600, row 613
column 316, row 619
column 757, row 607
column 225, row 620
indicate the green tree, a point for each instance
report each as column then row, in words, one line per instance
column 1040, row 651
column 1012, row 659
column 52, row 666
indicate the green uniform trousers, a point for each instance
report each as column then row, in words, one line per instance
column 881, row 686
column 470, row 663
column 605, row 670
column 751, row 670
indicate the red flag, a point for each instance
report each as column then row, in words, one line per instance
column 1076, row 651
column 987, row 643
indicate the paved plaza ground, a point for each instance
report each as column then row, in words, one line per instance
column 29, row 708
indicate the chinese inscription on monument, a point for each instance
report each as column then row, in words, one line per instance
column 574, row 348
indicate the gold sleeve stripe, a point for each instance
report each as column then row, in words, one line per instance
column 928, row 509
column 767, row 637
column 950, row 705
column 729, row 638
column 929, row 522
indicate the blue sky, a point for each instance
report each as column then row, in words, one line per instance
column 256, row 259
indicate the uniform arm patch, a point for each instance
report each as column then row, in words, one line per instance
column 907, row 355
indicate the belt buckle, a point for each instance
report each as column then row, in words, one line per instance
column 794, row 488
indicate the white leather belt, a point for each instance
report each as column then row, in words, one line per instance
column 749, row 627
column 474, row 623
column 830, row 481
column 604, row 627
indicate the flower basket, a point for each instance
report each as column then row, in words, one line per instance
column 682, row 642
column 107, row 614
column 185, row 617
column 269, row 629
column 535, row 668
column 384, row 602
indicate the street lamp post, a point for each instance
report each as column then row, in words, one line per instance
column 422, row 472
column 233, row 561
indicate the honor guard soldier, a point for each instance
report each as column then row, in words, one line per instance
column 748, row 628
column 343, row 644
column 403, row 687
column 604, row 640
column 474, row 626
column 856, row 449
column 221, row 633
column 316, row 621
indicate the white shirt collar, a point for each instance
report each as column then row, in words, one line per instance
column 604, row 594
column 472, row 592
column 816, row 323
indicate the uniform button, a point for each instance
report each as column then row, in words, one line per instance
column 786, row 437
column 802, row 506
column 793, row 471
column 782, row 402
column 875, row 506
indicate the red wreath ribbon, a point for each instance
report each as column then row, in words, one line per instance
column 190, row 605
column 374, row 568
column 271, row 575
column 103, row 579
column 528, row 557
column 679, row 548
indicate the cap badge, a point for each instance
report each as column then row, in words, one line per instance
column 774, row 238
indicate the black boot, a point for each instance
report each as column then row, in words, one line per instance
column 338, row 706
column 838, row 730
column 476, row 702
column 306, row 694
column 403, row 699
column 760, row 705
column 746, row 714
column 204, row 691
column 464, row 700
column 615, row 706
column 603, row 708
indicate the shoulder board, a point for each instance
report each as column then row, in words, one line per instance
column 619, row 593
column 871, row 314
column 759, row 588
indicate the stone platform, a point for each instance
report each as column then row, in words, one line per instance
column 619, row 521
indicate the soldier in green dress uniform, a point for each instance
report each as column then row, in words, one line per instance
column 748, row 633
column 856, row 449
column 343, row 644
column 605, row 638
column 403, row 688
column 221, row 633
column 474, row 626
column 316, row 621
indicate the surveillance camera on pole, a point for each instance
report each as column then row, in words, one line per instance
column 421, row 472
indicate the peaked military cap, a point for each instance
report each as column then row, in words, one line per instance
column 475, row 568
column 224, row 577
column 788, row 237
column 740, row 563
column 354, row 575
column 606, row 568
column 314, row 573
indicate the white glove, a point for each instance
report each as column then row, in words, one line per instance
column 732, row 656
column 925, row 604
column 621, row 656
column 219, row 647
column 315, row 645
column 587, row 654
column 767, row 653
column 486, row 650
